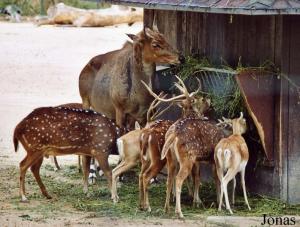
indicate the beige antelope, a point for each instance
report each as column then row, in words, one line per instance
column 129, row 150
column 191, row 106
column 64, row 131
column 231, row 157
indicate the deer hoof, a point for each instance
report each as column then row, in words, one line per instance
column 115, row 199
column 48, row 196
column 180, row 215
column 24, row 199
column 149, row 209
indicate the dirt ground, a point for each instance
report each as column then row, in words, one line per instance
column 39, row 66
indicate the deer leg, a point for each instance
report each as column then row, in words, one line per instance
column 85, row 170
column 144, row 166
column 151, row 172
column 117, row 172
column 228, row 177
column 196, row 199
column 56, row 163
column 233, row 189
column 24, row 165
column 92, row 171
column 120, row 117
column 170, row 180
column 184, row 171
column 103, row 162
column 79, row 164
column 244, row 188
column 220, row 191
column 35, row 169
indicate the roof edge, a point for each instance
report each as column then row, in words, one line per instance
column 218, row 10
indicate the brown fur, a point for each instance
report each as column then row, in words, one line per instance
column 62, row 131
column 152, row 141
column 111, row 83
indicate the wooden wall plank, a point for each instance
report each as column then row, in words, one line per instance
column 294, row 113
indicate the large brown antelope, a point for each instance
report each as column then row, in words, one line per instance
column 153, row 138
column 111, row 83
column 231, row 156
column 63, row 131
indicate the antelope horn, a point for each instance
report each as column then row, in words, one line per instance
column 159, row 98
column 241, row 116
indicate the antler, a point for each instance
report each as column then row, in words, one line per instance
column 159, row 98
column 224, row 122
column 153, row 105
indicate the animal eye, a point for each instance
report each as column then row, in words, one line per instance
column 155, row 45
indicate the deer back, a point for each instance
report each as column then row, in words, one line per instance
column 62, row 128
column 157, row 131
column 198, row 137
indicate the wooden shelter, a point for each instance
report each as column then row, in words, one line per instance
column 250, row 31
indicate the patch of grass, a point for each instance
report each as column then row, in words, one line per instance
column 68, row 196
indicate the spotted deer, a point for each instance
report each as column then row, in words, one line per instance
column 231, row 156
column 188, row 141
column 153, row 138
column 64, row 131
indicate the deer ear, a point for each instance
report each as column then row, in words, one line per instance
column 137, row 125
column 132, row 37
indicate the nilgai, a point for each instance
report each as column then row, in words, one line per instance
column 64, row 131
column 111, row 83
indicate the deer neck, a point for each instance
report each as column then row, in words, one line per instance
column 143, row 70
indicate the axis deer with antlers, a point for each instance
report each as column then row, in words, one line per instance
column 231, row 157
column 64, row 131
column 153, row 139
column 189, row 140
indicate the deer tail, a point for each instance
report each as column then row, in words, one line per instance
column 15, row 138
column 224, row 162
column 227, row 156
column 168, row 143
